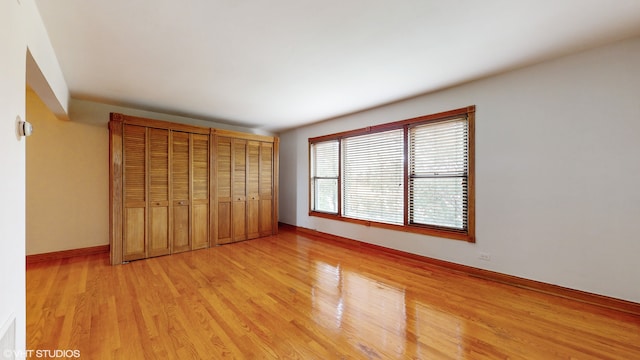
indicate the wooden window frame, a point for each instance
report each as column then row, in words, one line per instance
column 464, row 235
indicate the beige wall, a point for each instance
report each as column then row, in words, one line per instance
column 68, row 173
column 67, row 182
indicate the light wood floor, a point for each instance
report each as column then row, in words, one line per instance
column 292, row 297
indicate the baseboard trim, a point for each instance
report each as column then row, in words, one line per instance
column 546, row 288
column 57, row 255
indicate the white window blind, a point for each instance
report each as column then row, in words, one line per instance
column 438, row 174
column 373, row 177
column 324, row 185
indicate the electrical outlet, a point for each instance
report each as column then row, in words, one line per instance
column 484, row 256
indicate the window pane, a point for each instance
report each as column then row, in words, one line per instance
column 326, row 195
column 325, row 156
column 438, row 164
column 439, row 149
column 373, row 177
column 439, row 202
column 324, row 160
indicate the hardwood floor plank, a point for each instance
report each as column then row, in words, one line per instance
column 296, row 296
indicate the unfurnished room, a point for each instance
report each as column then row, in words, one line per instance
column 413, row 179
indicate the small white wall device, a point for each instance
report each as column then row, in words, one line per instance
column 25, row 128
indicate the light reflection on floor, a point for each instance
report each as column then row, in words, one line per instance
column 362, row 307
column 373, row 314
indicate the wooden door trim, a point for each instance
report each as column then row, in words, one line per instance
column 116, row 201
column 159, row 124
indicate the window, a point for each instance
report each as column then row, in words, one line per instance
column 324, row 178
column 373, row 176
column 413, row 175
column 438, row 174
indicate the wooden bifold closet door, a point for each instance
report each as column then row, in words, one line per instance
column 267, row 223
column 135, row 192
column 222, row 229
column 200, row 191
column 180, row 191
column 190, row 191
column 244, row 189
column 253, row 189
column 159, row 210
column 146, row 192
column 176, row 188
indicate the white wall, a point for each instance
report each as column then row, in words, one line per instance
column 557, row 172
column 20, row 29
column 43, row 70
column 12, row 72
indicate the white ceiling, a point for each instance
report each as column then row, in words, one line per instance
column 284, row 63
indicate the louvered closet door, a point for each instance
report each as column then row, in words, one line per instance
column 253, row 189
column 159, row 236
column 223, row 190
column 200, row 191
column 239, row 183
column 266, row 189
column 134, row 159
column 180, row 191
